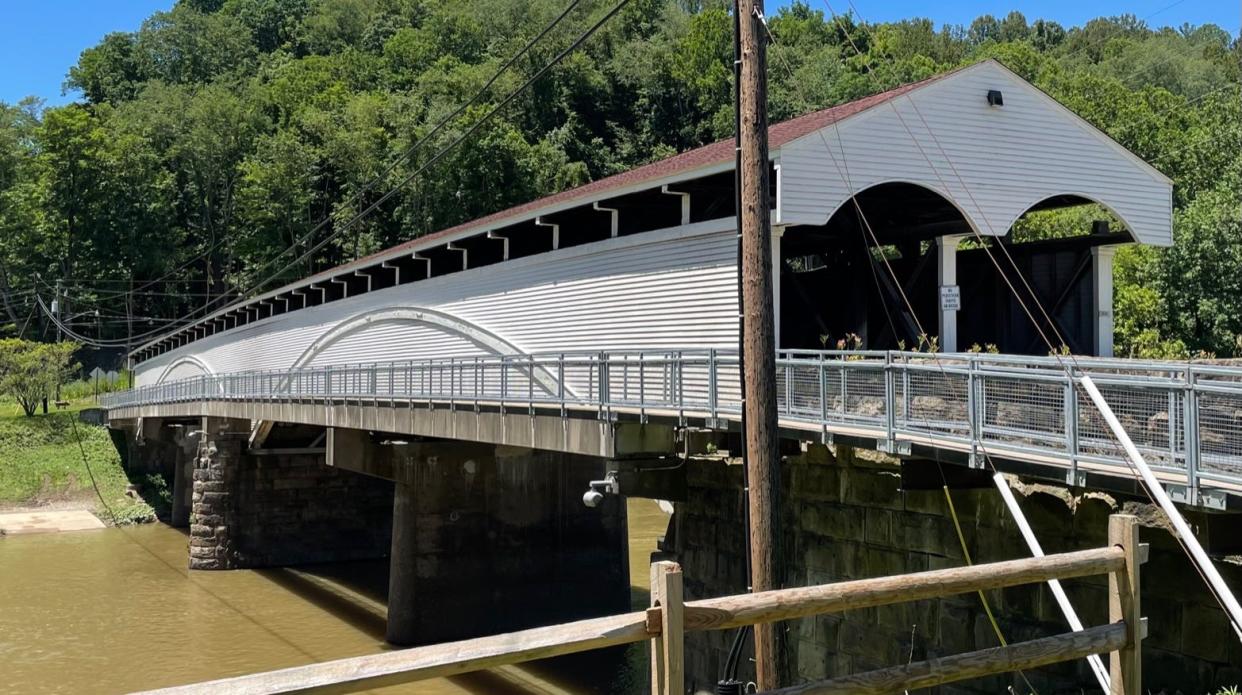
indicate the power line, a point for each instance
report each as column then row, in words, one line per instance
column 441, row 153
column 243, row 296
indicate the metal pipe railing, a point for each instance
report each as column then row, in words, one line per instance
column 1187, row 418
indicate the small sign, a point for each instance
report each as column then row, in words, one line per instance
column 950, row 298
column 97, row 373
column 112, row 376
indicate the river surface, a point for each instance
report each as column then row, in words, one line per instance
column 115, row 610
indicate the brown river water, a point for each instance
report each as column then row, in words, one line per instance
column 115, row 610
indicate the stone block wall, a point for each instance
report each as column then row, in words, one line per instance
column 846, row 517
column 293, row 509
column 494, row 539
column 281, row 509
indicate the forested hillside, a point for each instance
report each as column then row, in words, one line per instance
column 208, row 143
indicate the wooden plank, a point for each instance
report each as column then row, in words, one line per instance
column 786, row 604
column 437, row 661
column 655, row 583
column 958, row 667
column 404, row 666
column 1125, row 666
column 672, row 634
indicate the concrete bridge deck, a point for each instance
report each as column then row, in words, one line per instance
column 1025, row 414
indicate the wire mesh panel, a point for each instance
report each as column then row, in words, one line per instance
column 864, row 392
column 935, row 401
column 1220, row 432
column 1151, row 416
column 798, row 389
column 1022, row 412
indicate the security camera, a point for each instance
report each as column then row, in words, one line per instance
column 592, row 498
column 598, row 488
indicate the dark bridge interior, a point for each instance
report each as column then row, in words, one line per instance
column 836, row 279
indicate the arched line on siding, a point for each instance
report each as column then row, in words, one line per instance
column 428, row 317
column 909, row 182
column 1057, row 194
column 188, row 359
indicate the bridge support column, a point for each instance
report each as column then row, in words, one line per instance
column 1102, row 298
column 492, row 539
column 213, row 524
column 950, row 295
column 403, row 609
column 183, row 476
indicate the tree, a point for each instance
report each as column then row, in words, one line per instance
column 30, row 371
column 222, row 130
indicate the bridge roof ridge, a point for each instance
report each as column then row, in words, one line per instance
column 691, row 160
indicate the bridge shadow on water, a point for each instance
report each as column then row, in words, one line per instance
column 356, row 593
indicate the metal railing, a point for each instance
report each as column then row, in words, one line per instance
column 1185, row 418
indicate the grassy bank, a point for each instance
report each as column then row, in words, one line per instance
column 41, row 464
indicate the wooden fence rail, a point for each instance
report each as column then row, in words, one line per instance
column 665, row 623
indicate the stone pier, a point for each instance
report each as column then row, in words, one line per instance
column 252, row 510
column 491, row 539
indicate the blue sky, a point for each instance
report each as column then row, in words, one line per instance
column 40, row 39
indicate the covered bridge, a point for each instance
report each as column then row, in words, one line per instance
column 647, row 259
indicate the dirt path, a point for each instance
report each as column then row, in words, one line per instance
column 45, row 520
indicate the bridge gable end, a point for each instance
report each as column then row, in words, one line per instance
column 992, row 162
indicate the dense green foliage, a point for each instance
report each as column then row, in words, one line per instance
column 41, row 463
column 220, row 133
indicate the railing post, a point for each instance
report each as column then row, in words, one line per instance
column 1125, row 665
column 1190, row 434
column 712, row 396
column 788, row 388
column 560, row 382
column 844, row 390
column 1070, row 408
column 642, row 385
column 890, row 398
column 668, row 650
column 973, row 417
column 681, row 384
column 823, row 395
column 504, row 378
column 603, row 383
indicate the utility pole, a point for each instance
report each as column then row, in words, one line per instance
column 758, row 333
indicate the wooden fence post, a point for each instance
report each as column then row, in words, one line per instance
column 667, row 650
column 656, row 579
column 1125, row 664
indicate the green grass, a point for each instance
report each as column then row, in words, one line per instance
column 41, row 463
column 85, row 389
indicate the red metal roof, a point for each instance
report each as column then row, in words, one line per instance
column 690, row 160
column 714, row 154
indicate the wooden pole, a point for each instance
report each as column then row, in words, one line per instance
column 758, row 335
column 960, row 667
column 728, row 612
column 672, row 630
column 420, row 663
column 1125, row 664
column 656, row 583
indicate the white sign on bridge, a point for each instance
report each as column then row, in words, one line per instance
column 950, row 298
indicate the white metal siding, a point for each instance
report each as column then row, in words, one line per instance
column 670, row 288
column 1001, row 160
column 181, row 370
column 391, row 341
